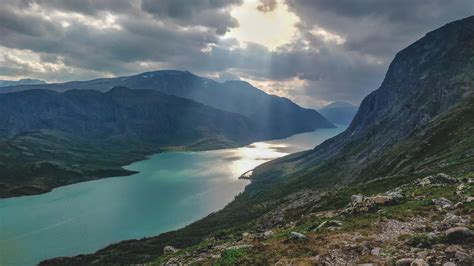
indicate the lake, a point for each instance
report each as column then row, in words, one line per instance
column 171, row 190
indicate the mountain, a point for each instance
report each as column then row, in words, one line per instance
column 424, row 80
column 50, row 138
column 417, row 124
column 275, row 116
column 339, row 112
column 7, row 83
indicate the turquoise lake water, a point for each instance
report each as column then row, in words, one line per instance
column 172, row 190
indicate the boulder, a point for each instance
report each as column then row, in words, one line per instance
column 431, row 236
column 462, row 257
column 395, row 195
column 267, row 233
column 443, row 203
column 361, row 203
column 404, row 262
column 453, row 248
column 357, row 198
column 297, row 236
column 381, row 200
column 419, row 262
column 170, row 250
column 449, row 264
column 375, row 251
column 438, row 179
column 459, row 234
column 460, row 189
column 422, row 254
column 453, row 219
column 247, row 236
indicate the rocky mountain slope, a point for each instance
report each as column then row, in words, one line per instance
column 339, row 112
column 50, row 139
column 8, row 83
column 424, row 80
column 373, row 194
column 273, row 115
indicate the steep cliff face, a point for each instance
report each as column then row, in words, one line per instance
column 424, row 80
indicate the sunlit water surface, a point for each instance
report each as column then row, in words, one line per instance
column 172, row 189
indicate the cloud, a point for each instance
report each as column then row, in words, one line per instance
column 340, row 50
column 379, row 28
column 208, row 13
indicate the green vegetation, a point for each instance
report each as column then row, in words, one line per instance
column 422, row 240
column 231, row 256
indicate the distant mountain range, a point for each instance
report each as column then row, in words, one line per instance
column 275, row 116
column 57, row 134
column 419, row 122
column 6, row 83
column 339, row 112
column 120, row 115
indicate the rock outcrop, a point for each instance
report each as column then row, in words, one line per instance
column 439, row 179
column 360, row 203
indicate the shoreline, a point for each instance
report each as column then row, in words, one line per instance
column 119, row 171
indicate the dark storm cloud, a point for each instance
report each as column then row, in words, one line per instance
column 376, row 27
column 13, row 22
column 374, row 31
column 86, row 7
column 341, row 50
column 208, row 13
column 104, row 49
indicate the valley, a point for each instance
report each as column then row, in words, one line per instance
column 236, row 132
column 405, row 161
column 173, row 188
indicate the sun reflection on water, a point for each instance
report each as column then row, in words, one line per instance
column 253, row 155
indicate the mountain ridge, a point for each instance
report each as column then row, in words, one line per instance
column 339, row 112
column 26, row 81
column 403, row 102
column 50, row 138
column 277, row 116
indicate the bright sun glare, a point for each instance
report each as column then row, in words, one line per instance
column 253, row 155
column 271, row 29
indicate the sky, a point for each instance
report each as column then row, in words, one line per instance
column 311, row 51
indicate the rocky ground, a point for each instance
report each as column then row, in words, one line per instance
column 425, row 222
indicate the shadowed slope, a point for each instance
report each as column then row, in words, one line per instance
column 48, row 139
column 276, row 117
